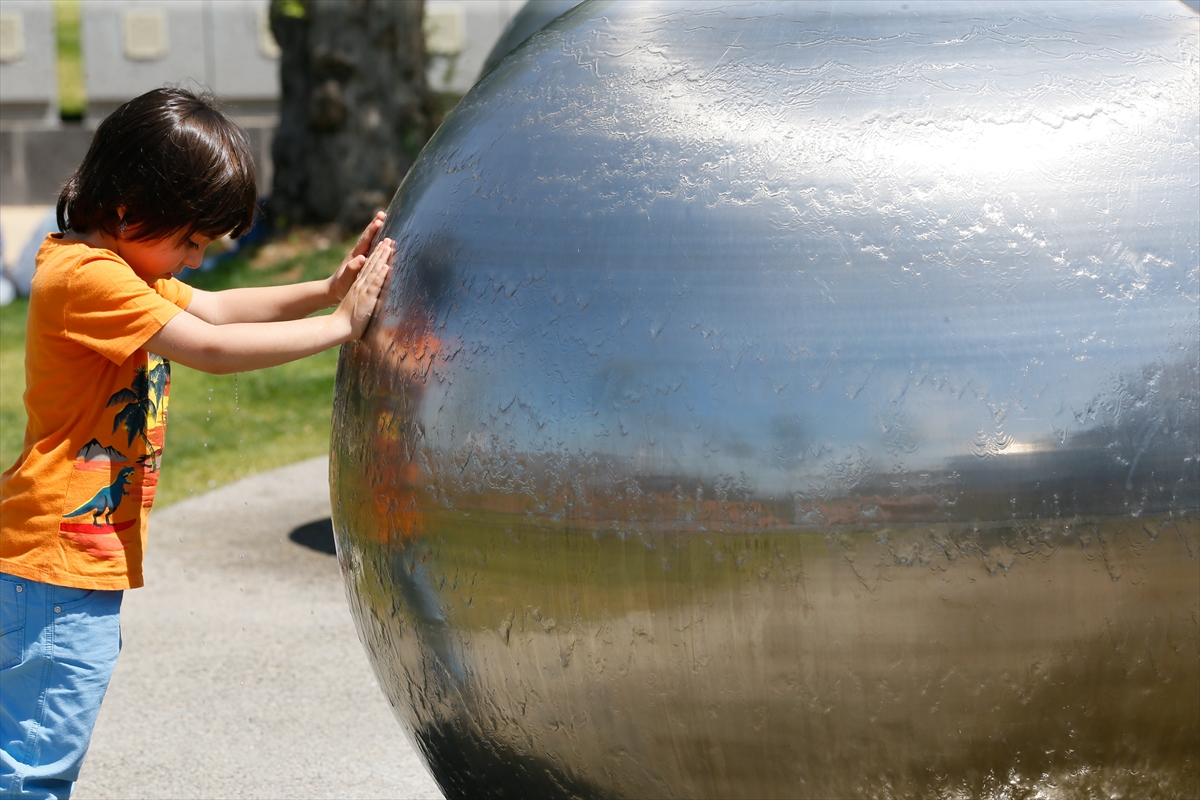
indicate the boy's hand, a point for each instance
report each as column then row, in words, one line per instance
column 341, row 280
column 358, row 304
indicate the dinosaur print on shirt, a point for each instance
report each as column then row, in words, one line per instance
column 105, row 501
column 116, row 472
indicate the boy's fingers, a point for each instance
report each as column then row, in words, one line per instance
column 377, row 264
column 370, row 285
column 383, row 252
column 364, row 239
column 381, row 269
column 365, row 267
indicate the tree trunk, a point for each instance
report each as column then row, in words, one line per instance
column 355, row 109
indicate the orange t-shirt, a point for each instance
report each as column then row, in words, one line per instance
column 75, row 505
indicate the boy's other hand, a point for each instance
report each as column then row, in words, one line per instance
column 341, row 280
column 359, row 302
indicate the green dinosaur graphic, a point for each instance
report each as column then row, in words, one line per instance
column 142, row 401
column 106, row 500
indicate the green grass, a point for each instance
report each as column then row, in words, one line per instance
column 72, row 97
column 239, row 271
column 220, row 428
column 12, row 380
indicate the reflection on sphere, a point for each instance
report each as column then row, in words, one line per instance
column 793, row 400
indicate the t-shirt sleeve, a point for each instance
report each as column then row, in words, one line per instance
column 109, row 309
column 175, row 291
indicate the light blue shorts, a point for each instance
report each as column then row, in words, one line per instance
column 58, row 649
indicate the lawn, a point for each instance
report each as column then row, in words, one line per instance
column 221, row 427
column 71, row 96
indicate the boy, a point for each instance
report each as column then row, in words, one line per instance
column 166, row 174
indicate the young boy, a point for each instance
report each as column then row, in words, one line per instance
column 166, row 174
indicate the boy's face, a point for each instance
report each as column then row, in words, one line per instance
column 155, row 260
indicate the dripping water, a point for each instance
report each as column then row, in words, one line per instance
column 237, row 409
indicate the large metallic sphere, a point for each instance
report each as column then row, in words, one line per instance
column 794, row 400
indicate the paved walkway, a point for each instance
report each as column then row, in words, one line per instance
column 242, row 674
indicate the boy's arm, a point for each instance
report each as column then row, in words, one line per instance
column 261, row 304
column 294, row 301
column 237, row 347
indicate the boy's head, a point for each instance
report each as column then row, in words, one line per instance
column 165, row 164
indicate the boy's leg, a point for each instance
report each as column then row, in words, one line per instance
column 59, row 648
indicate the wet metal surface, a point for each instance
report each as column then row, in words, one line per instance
column 793, row 400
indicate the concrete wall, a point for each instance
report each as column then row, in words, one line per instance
column 133, row 46
column 459, row 34
column 244, row 67
column 28, row 64
column 34, row 164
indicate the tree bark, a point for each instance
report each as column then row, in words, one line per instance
column 354, row 108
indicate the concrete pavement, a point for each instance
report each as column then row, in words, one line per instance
column 242, row 674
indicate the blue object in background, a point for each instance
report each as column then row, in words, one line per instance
column 21, row 272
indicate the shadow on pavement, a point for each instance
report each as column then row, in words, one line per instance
column 316, row 535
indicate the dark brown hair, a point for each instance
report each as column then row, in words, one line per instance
column 175, row 162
